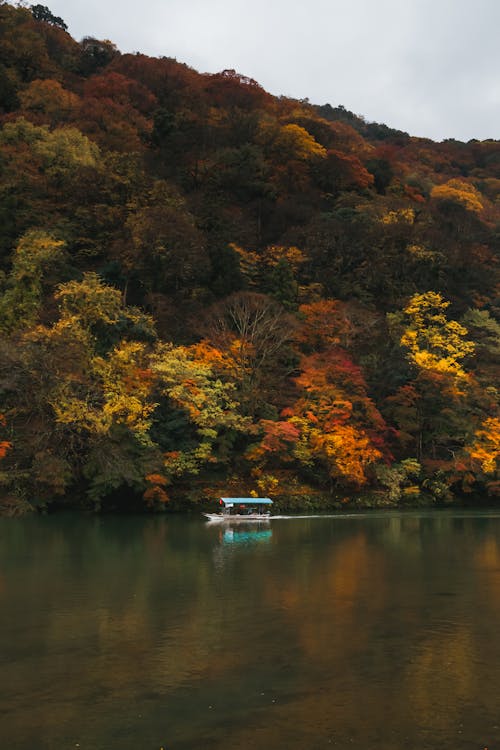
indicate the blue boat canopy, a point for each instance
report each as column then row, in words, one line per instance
column 246, row 500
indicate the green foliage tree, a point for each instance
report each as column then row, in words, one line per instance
column 96, row 54
column 42, row 13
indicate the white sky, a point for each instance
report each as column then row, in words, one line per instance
column 430, row 67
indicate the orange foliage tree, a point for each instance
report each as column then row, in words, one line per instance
column 485, row 450
column 5, row 445
column 333, row 423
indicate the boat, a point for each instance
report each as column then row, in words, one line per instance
column 242, row 509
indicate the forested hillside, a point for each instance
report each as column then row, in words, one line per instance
column 205, row 289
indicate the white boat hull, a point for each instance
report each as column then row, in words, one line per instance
column 226, row 518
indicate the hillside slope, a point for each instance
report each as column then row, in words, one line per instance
column 204, row 287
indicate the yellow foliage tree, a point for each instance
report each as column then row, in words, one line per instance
column 193, row 386
column 401, row 216
column 290, row 151
column 294, row 142
column 485, row 450
column 254, row 266
column 59, row 151
column 116, row 389
column 460, row 192
column 434, row 343
column 118, row 393
column 34, row 255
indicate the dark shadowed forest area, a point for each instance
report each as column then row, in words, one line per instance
column 206, row 289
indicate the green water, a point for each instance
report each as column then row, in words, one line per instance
column 378, row 632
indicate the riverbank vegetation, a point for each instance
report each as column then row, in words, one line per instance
column 205, row 289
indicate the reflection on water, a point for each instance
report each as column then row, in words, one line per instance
column 375, row 631
column 249, row 535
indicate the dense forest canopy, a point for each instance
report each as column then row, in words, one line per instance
column 205, row 289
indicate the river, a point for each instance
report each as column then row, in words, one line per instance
column 377, row 631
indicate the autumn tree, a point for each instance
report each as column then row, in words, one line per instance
column 434, row 343
column 35, row 254
column 484, row 330
column 23, row 50
column 231, row 89
column 39, row 163
column 161, row 244
column 5, row 445
column 200, row 401
column 125, row 92
column 48, row 101
column 461, row 192
column 274, row 270
column 58, row 150
column 88, row 377
column 255, row 330
column 340, row 171
column 484, row 452
column 333, row 429
column 343, row 428
column 433, row 412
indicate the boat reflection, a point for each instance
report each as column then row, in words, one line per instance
column 245, row 535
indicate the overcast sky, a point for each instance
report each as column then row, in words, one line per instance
column 430, row 67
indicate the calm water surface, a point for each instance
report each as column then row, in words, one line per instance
column 377, row 631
